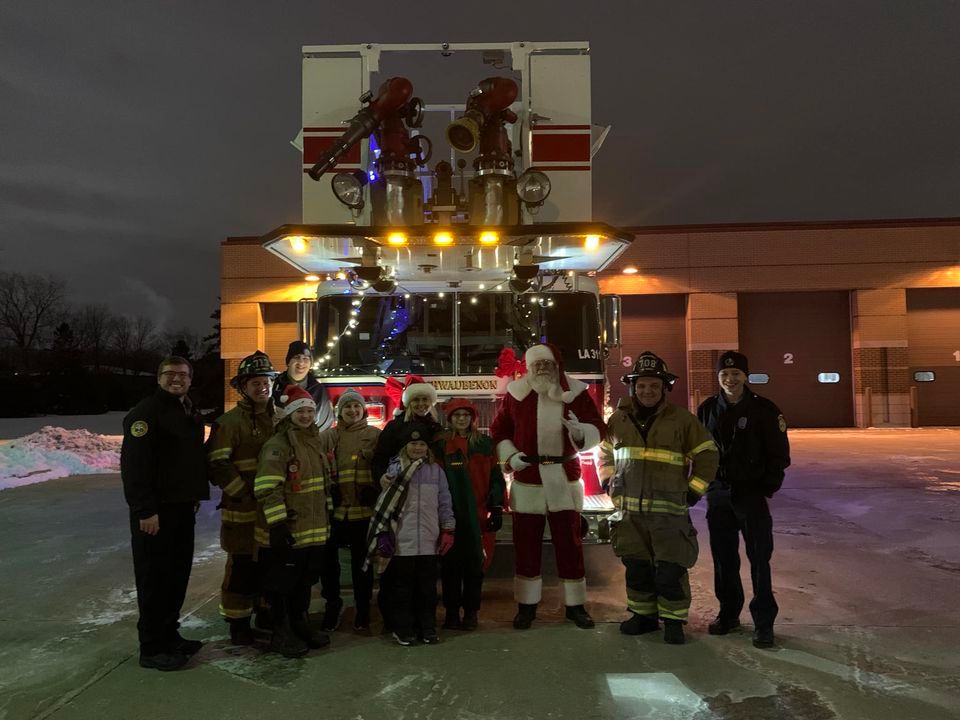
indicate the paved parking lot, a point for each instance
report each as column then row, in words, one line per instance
column 866, row 567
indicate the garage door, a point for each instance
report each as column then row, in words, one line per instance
column 933, row 331
column 656, row 323
column 799, row 350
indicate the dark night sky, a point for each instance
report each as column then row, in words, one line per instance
column 134, row 136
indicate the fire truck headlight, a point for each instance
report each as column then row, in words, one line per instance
column 533, row 187
column 348, row 187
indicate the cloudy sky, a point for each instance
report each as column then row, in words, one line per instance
column 134, row 136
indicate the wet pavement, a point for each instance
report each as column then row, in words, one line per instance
column 866, row 570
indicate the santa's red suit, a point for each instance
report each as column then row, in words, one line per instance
column 550, row 490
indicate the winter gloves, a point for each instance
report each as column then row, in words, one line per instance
column 495, row 519
column 575, row 428
column 280, row 536
column 445, row 542
column 386, row 546
column 517, row 463
column 693, row 498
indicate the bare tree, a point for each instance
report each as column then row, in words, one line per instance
column 94, row 329
column 29, row 306
column 144, row 340
column 121, row 340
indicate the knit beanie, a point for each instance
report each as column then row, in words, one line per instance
column 298, row 347
column 735, row 360
column 351, row 395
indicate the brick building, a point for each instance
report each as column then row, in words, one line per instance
column 845, row 323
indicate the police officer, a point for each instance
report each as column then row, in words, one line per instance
column 299, row 359
column 657, row 461
column 232, row 452
column 754, row 451
column 163, row 469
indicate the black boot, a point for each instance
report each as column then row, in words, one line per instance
column 331, row 615
column 451, row 620
column 361, row 620
column 285, row 641
column 639, row 624
column 526, row 614
column 314, row 638
column 240, row 631
column 469, row 621
column 763, row 638
column 722, row 626
column 673, row 632
column 581, row 618
column 262, row 620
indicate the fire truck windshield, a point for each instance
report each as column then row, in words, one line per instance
column 453, row 333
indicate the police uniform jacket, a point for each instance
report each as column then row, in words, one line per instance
column 357, row 491
column 292, row 485
column 162, row 459
column 232, row 452
column 752, row 437
column 653, row 475
column 317, row 390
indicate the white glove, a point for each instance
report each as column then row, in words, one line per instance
column 517, row 462
column 575, row 428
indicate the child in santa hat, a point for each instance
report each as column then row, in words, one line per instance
column 412, row 524
column 293, row 520
column 477, row 488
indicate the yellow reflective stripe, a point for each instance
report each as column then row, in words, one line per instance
column 261, row 536
column 673, row 613
column 235, row 614
column 219, row 454
column 353, row 513
column 642, row 607
column 698, row 485
column 633, row 504
column 238, row 516
column 235, row 486
column 309, row 485
column 315, row 535
column 267, row 482
column 708, row 445
column 275, row 513
column 248, row 464
column 652, row 454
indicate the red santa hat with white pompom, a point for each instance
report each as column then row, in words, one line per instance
column 295, row 397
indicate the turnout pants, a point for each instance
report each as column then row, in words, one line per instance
column 241, row 587
column 727, row 520
column 412, row 580
column 657, row 549
column 528, row 543
column 351, row 534
column 161, row 565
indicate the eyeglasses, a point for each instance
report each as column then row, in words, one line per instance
column 172, row 375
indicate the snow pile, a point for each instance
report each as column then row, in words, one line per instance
column 53, row 452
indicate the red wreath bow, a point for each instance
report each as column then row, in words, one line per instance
column 509, row 365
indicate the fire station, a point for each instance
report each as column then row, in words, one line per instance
column 396, row 269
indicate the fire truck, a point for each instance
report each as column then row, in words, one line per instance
column 447, row 217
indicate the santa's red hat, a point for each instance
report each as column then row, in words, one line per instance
column 415, row 386
column 295, row 397
column 547, row 351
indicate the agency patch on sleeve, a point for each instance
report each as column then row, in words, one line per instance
column 139, row 428
column 782, row 423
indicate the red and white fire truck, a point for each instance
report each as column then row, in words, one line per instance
column 433, row 262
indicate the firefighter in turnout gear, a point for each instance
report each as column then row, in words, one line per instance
column 754, row 451
column 657, row 461
column 293, row 520
column 232, row 451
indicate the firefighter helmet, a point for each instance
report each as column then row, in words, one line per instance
column 650, row 365
column 256, row 365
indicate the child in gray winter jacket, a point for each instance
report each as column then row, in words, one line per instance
column 412, row 525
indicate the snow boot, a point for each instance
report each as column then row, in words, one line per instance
column 451, row 620
column 526, row 614
column 240, row 631
column 285, row 641
column 581, row 618
column 639, row 624
column 469, row 621
column 673, row 632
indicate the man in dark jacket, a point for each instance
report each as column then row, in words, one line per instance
column 299, row 359
column 163, row 467
column 754, row 451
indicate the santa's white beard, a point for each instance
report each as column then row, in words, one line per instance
column 547, row 385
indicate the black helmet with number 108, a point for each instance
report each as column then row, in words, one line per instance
column 650, row 365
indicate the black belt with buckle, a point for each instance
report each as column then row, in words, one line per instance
column 548, row 459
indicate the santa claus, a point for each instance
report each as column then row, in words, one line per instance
column 545, row 419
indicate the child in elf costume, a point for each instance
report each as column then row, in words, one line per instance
column 477, row 488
